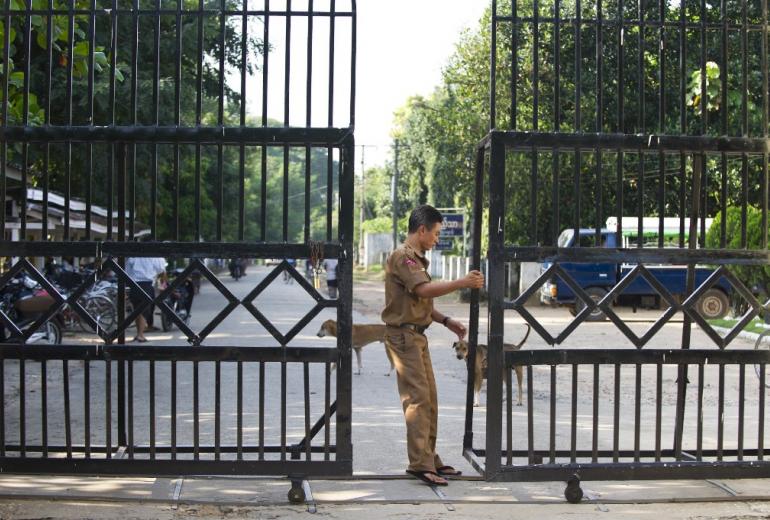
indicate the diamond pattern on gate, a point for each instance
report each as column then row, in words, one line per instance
column 111, row 333
column 553, row 271
column 74, row 300
column 159, row 301
column 321, row 303
column 23, row 266
column 606, row 305
column 232, row 301
column 689, row 306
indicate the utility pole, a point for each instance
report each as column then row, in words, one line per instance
column 394, row 198
column 362, row 213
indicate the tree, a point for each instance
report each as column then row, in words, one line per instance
column 755, row 278
column 161, row 98
column 442, row 129
column 376, row 201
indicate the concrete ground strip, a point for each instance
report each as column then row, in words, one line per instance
column 264, row 491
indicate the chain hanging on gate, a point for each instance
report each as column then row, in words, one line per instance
column 316, row 258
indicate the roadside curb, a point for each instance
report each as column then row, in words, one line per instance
column 752, row 336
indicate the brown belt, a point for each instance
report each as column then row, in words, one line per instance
column 419, row 329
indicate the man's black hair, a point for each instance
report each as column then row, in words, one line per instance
column 424, row 215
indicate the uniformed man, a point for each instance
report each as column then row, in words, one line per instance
column 409, row 294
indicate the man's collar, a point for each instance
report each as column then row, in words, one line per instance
column 416, row 251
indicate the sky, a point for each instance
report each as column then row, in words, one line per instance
column 402, row 47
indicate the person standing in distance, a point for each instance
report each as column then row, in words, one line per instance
column 408, row 312
column 330, row 266
column 144, row 271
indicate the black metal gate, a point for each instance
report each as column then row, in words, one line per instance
column 123, row 120
column 647, row 109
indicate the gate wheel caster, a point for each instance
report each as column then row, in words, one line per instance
column 296, row 494
column 572, row 492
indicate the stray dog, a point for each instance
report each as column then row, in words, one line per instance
column 480, row 368
column 362, row 336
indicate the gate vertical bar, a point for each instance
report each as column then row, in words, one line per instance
column 493, row 69
column 345, row 309
column 687, row 325
column 4, row 122
column 556, row 228
column 121, row 171
column 473, row 325
column 496, row 295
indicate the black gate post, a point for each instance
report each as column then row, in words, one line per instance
column 473, row 326
column 120, row 150
column 495, row 292
column 345, row 309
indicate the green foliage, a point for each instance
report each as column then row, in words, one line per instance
column 439, row 132
column 713, row 88
column 756, row 326
column 376, row 197
column 158, row 98
column 751, row 276
column 223, row 207
column 378, row 225
column 37, row 53
column 385, row 225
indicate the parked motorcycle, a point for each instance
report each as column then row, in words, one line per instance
column 24, row 301
column 236, row 268
column 179, row 300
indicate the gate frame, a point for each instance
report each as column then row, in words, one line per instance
column 618, row 138
column 493, row 148
column 122, row 138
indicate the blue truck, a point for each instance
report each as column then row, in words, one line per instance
column 597, row 279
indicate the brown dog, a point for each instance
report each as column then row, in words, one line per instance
column 362, row 336
column 480, row 368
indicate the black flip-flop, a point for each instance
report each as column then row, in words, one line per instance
column 448, row 471
column 422, row 476
column 139, row 340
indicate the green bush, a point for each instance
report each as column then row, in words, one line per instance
column 385, row 225
column 751, row 275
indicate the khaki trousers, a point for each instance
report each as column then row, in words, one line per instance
column 417, row 388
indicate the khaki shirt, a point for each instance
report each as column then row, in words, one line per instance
column 406, row 268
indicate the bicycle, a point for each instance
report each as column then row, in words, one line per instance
column 100, row 307
column 762, row 343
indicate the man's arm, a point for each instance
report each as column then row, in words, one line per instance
column 452, row 324
column 436, row 316
column 473, row 280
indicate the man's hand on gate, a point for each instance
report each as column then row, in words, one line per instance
column 474, row 280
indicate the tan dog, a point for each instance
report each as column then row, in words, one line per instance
column 362, row 336
column 480, row 368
